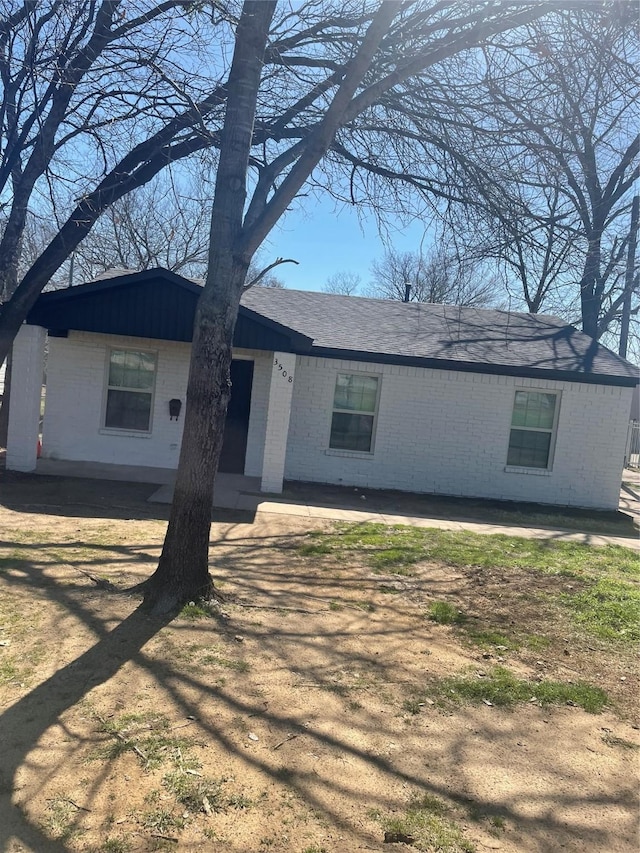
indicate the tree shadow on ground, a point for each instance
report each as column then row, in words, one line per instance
column 312, row 652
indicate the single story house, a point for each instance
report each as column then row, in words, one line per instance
column 330, row 389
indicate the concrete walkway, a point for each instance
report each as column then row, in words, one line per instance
column 336, row 514
column 233, row 491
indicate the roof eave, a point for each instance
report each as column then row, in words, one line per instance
column 299, row 342
column 475, row 367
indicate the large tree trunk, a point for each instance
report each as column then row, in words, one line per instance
column 183, row 569
column 8, row 284
column 590, row 297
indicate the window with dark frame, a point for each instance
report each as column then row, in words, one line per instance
column 130, row 385
column 533, row 425
column 355, row 402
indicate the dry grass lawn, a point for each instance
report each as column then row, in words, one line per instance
column 310, row 713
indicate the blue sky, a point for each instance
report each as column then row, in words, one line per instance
column 325, row 240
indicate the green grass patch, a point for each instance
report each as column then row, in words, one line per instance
column 536, row 642
column 227, row 663
column 392, row 547
column 162, row 821
column 20, row 667
column 315, row 549
column 426, row 825
column 412, row 706
column 195, row 793
column 490, row 639
column 195, row 610
column 495, row 640
column 114, row 845
column 445, row 614
column 60, row 820
column 609, row 609
column 147, row 735
column 395, row 560
column 9, row 671
column 500, row 687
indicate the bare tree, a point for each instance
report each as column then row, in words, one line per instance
column 97, row 98
column 271, row 281
column 358, row 64
column 343, row 283
column 164, row 224
column 437, row 277
column 546, row 142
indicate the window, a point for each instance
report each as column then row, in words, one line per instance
column 355, row 401
column 533, row 425
column 130, row 390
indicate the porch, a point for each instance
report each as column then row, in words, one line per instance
column 76, row 440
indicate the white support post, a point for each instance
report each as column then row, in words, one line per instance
column 27, row 368
column 278, row 413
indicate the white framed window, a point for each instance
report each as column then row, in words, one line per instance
column 355, row 405
column 131, row 377
column 534, row 422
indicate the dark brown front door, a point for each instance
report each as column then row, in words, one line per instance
column 234, row 445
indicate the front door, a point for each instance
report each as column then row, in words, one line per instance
column 236, row 429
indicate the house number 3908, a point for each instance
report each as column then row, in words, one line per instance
column 285, row 373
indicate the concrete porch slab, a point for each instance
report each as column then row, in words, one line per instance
column 105, row 471
column 231, row 491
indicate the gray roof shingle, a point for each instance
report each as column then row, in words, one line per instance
column 424, row 331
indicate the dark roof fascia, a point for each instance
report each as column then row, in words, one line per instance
column 473, row 367
column 119, row 281
column 300, row 343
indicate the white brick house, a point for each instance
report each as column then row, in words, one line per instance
column 331, row 389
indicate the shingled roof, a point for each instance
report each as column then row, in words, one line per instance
column 160, row 304
column 441, row 335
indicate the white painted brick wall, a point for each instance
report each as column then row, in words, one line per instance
column 437, row 431
column 447, row 432
column 283, row 367
column 74, row 411
column 26, row 394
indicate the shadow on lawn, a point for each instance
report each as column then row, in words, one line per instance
column 296, row 649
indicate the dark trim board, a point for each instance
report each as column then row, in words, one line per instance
column 472, row 367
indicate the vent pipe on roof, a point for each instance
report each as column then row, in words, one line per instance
column 407, row 293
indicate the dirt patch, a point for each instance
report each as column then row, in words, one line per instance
column 290, row 709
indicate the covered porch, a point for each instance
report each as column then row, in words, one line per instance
column 89, row 326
